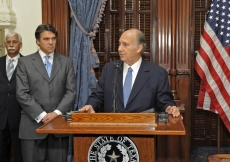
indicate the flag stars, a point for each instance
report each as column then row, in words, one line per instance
column 218, row 17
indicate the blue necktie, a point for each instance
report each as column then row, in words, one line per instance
column 48, row 65
column 127, row 85
column 10, row 69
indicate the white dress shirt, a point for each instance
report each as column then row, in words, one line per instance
column 15, row 62
column 135, row 67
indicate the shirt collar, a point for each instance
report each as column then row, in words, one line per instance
column 15, row 57
column 42, row 54
column 135, row 66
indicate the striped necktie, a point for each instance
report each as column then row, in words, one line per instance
column 10, row 69
column 48, row 65
column 127, row 86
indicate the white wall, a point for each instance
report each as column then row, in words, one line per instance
column 29, row 16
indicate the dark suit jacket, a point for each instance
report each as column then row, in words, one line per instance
column 9, row 107
column 36, row 92
column 150, row 89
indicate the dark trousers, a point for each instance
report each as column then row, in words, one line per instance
column 35, row 150
column 7, row 137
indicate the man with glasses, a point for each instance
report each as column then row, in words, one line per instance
column 10, row 110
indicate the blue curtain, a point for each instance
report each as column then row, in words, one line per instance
column 85, row 22
column 86, row 16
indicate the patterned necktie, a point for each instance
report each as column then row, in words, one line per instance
column 10, row 69
column 48, row 65
column 127, row 85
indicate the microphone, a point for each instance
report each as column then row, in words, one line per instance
column 118, row 65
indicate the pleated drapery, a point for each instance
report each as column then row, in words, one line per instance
column 84, row 24
column 86, row 16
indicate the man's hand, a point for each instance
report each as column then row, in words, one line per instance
column 48, row 117
column 87, row 109
column 173, row 110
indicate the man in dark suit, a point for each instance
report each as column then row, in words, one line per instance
column 45, row 89
column 149, row 84
column 10, row 110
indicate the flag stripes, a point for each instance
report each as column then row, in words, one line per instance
column 213, row 66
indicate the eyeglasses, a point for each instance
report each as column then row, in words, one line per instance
column 13, row 42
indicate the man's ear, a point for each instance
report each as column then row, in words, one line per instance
column 139, row 48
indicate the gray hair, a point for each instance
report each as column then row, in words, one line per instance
column 13, row 34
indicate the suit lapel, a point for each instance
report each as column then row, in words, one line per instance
column 56, row 65
column 3, row 66
column 141, row 78
column 120, row 86
column 39, row 65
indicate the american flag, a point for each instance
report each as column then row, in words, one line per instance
column 213, row 61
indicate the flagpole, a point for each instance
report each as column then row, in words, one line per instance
column 218, row 134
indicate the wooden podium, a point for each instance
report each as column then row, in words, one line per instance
column 140, row 128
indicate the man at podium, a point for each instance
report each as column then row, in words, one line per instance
column 132, row 84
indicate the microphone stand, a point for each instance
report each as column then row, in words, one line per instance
column 118, row 65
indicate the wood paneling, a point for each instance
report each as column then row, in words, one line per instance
column 173, row 49
column 56, row 12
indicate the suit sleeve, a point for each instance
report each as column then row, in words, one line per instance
column 164, row 94
column 28, row 104
column 96, row 99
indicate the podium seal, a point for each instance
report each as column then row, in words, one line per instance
column 110, row 148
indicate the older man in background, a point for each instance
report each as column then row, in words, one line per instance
column 10, row 110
